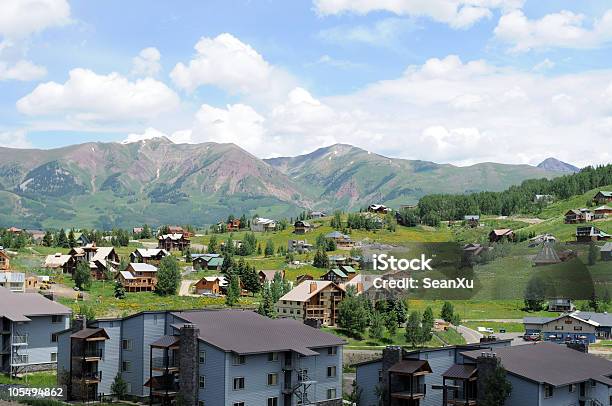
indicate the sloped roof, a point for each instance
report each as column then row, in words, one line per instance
column 269, row 274
column 127, row 275
column 302, row 293
column 215, row 261
column 173, row 237
column 151, row 252
column 603, row 319
column 605, row 193
column 56, row 260
column 410, row 366
column 338, row 272
column 246, row 332
column 502, row 231
column 606, row 247
column 457, row 371
column 550, row 363
column 166, row 342
column 102, row 253
column 18, row 306
column 90, row 332
column 140, row 267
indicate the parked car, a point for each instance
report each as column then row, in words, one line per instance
column 532, row 337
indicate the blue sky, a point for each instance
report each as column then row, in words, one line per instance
column 459, row 81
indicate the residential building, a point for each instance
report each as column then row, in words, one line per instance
column 5, row 260
column 343, row 241
column 59, row 261
column 138, row 277
column 378, row 208
column 543, row 198
column 472, row 220
column 137, row 230
column 317, row 214
column 13, row 281
column 561, row 305
column 198, row 355
column 233, row 225
column 81, row 239
column 173, row 242
column 267, row 276
column 602, row 212
column 470, row 251
column 148, row 255
column 179, row 230
column 36, row 235
column 301, row 278
column 312, row 300
column 592, row 325
column 212, row 262
column 299, row 246
column 574, row 216
column 335, row 275
column 28, row 322
column 606, row 252
column 502, row 234
column 541, row 374
column 261, row 224
column 302, row 227
column 603, row 197
column 102, row 260
column 215, row 285
column 590, row 234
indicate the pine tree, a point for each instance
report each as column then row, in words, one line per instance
column 427, row 325
column 266, row 306
column 413, row 329
column 593, row 252
column 250, row 279
column 376, row 326
column 447, row 312
column 212, row 244
column 269, row 250
column 119, row 387
column 401, row 310
column 62, row 240
column 119, row 290
column 71, row 239
column 168, row 276
column 321, row 260
column 497, row 387
column 47, row 239
column 391, row 323
column 82, row 275
column 233, row 291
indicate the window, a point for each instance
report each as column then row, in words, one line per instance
column 202, row 357
column 127, row 344
column 201, row 403
column 53, row 338
column 577, row 328
column 331, row 371
column 238, row 383
column 129, row 387
column 272, row 379
column 126, row 366
column 54, row 357
column 303, row 375
column 155, row 315
column 332, row 351
column 548, row 391
column 572, row 388
column 380, row 375
column 272, row 401
column 331, row 393
column 558, row 327
column 239, row 359
column 202, row 382
column 238, row 403
column 56, row 319
column 273, row 356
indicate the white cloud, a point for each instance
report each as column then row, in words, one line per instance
column 385, row 33
column 543, row 66
column 148, row 134
column 90, row 97
column 20, row 18
column 565, row 29
column 456, row 13
column 230, row 64
column 146, row 63
column 14, row 139
column 22, row 70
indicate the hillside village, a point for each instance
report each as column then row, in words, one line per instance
column 305, row 278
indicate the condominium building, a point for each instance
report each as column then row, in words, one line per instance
column 207, row 357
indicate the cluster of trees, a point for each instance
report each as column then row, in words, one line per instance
column 241, row 275
column 145, row 234
column 515, row 200
column 118, row 238
column 14, row 240
column 270, row 295
column 364, row 221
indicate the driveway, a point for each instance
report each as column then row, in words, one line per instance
column 185, row 290
column 470, row 336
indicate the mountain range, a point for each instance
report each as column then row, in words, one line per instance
column 155, row 181
column 553, row 164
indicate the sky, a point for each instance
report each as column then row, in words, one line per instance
column 450, row 81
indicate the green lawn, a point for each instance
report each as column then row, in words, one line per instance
column 46, row 379
column 450, row 336
column 496, row 326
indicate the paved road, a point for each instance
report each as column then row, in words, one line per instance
column 470, row 336
column 184, row 289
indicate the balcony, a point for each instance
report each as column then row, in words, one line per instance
column 18, row 360
column 19, row 339
column 410, row 393
column 92, row 377
column 163, row 363
column 90, row 354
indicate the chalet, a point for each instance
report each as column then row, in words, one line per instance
column 138, row 277
column 578, row 216
column 148, row 255
column 348, row 270
column 179, row 230
column 301, row 278
column 84, row 253
column 137, row 230
column 59, row 261
column 81, row 239
column 317, row 214
column 14, row 230
column 173, row 242
column 338, row 260
column 342, row 241
column 378, row 208
column 335, row 275
column 233, row 225
column 261, row 224
column 5, row 261
column 36, row 235
column 299, row 246
column 602, row 212
column 315, row 301
column 207, row 261
column 214, row 285
column 472, row 220
column 603, row 197
column 13, row 281
column 547, row 256
column 501, row 234
column 267, row 276
column 606, row 252
column 562, row 305
column 301, row 227
column 590, row 234
column 101, row 259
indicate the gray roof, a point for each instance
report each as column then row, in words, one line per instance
column 550, row 363
column 603, row 319
column 607, row 247
column 246, row 332
column 537, row 320
column 460, row 371
column 18, row 306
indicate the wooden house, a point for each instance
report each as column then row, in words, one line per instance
column 301, row 227
column 590, row 234
column 233, row 225
column 260, row 224
column 215, row 285
column 299, row 246
column 343, row 241
column 173, row 242
column 501, row 234
column 31, row 283
column 5, row 261
column 378, row 208
column 335, row 275
column 602, row 212
column 207, row 261
column 138, row 277
column 301, row 278
column 267, row 276
column 312, row 301
column 603, row 197
column 148, row 255
column 137, row 230
column 574, row 216
column 59, row 261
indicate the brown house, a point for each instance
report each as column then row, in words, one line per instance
column 5, row 261
column 301, row 227
column 215, row 285
column 267, row 276
column 173, row 242
column 578, row 216
column 501, row 234
column 58, row 261
column 590, row 234
column 315, row 301
column 138, row 277
column 148, row 255
column 602, row 212
column 603, row 197
column 378, row 208
column 233, row 225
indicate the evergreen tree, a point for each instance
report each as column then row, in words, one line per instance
column 497, row 387
column 413, row 329
column 212, row 245
column 401, row 310
column 250, row 279
column 119, row 290
column 352, row 316
column 62, row 240
column 427, row 325
column 47, row 239
column 321, row 260
column 447, row 312
column 277, row 288
column 119, row 387
column 71, row 240
column 391, row 323
column 376, row 326
column 168, row 276
column 266, row 306
column 233, row 291
column 82, row 275
column 269, row 250
column 535, row 294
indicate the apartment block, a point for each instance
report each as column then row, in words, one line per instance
column 205, row 357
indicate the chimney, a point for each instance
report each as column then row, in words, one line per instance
column 391, row 356
column 79, row 322
column 188, row 364
column 313, row 287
